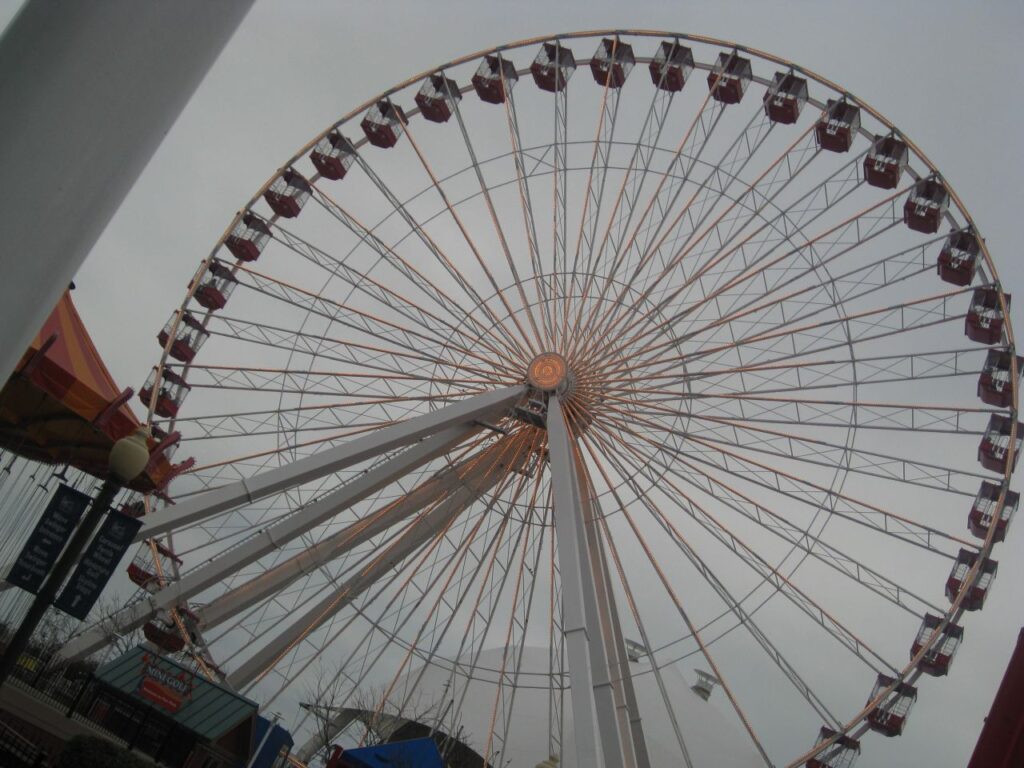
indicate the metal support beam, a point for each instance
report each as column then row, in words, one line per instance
column 448, row 427
column 595, row 724
column 89, row 90
column 472, row 472
column 478, row 407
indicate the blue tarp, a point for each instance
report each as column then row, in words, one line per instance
column 274, row 745
column 415, row 753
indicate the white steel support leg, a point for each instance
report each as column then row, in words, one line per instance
column 88, row 92
column 618, row 663
column 484, row 406
column 469, row 473
column 455, row 426
column 593, row 706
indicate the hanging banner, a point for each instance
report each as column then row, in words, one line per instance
column 99, row 563
column 51, row 533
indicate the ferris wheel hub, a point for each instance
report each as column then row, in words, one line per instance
column 549, row 372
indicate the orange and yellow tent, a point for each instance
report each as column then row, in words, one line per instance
column 61, row 405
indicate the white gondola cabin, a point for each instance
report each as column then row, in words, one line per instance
column 995, row 385
column 891, row 714
column 384, row 124
column 494, row 78
column 729, row 78
column 994, row 450
column 288, row 193
column 983, row 512
column 984, row 320
column 842, row 753
column 671, row 66
column 977, row 592
column 958, row 259
column 189, row 337
column 248, row 238
column 332, row 156
column 938, row 658
column 925, row 206
column 885, row 162
column 785, row 98
column 215, row 286
column 613, row 61
column 438, row 97
column 552, row 67
column 838, row 127
column 173, row 390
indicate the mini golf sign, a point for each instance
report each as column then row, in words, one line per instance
column 168, row 689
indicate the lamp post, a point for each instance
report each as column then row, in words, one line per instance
column 128, row 458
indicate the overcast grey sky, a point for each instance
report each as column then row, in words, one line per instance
column 947, row 73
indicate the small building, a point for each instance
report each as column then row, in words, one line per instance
column 177, row 718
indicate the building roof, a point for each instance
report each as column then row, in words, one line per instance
column 206, row 708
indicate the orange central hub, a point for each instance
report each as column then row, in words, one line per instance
column 548, row 372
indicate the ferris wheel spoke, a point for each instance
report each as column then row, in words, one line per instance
column 526, row 340
column 778, row 525
column 787, row 224
column 538, row 335
column 597, row 174
column 804, row 491
column 559, row 209
column 676, row 174
column 646, row 640
column 376, row 290
column 540, row 282
column 817, row 374
column 512, row 346
column 358, row 320
column 670, row 185
column 453, row 564
column 793, row 447
column 669, row 589
column 813, row 609
column 813, row 700
column 829, row 295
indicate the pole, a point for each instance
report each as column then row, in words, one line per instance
column 60, row 571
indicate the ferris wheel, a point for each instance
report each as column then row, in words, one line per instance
column 647, row 349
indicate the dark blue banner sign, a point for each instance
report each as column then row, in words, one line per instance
column 98, row 564
column 48, row 539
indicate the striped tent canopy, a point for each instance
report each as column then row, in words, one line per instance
column 61, row 405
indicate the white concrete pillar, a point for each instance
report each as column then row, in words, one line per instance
column 87, row 92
